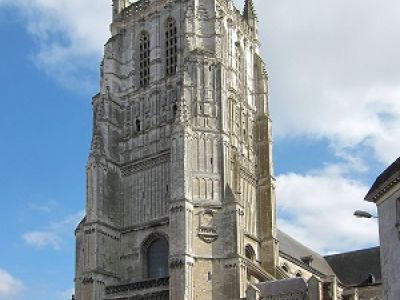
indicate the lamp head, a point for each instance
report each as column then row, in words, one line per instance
column 363, row 214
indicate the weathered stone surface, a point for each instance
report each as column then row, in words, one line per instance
column 186, row 157
column 385, row 192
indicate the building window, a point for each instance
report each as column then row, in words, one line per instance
column 171, row 47
column 138, row 125
column 144, row 59
column 249, row 252
column 157, row 258
column 239, row 62
column 285, row 268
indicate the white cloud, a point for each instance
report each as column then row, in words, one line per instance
column 70, row 36
column 44, row 207
column 334, row 71
column 54, row 235
column 317, row 208
column 40, row 239
column 333, row 64
column 9, row 286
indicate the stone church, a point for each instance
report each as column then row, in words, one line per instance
column 180, row 186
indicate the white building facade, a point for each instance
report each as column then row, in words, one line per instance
column 385, row 193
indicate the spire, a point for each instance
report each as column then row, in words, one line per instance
column 249, row 13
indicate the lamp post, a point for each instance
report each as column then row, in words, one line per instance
column 364, row 214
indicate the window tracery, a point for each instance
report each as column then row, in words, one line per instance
column 144, row 59
column 249, row 252
column 171, row 47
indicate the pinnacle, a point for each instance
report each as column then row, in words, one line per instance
column 249, row 11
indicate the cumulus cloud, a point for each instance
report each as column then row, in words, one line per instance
column 333, row 68
column 70, row 36
column 317, row 208
column 54, row 235
column 334, row 71
column 333, row 64
column 9, row 285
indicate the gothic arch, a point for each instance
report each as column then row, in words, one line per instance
column 285, row 268
column 249, row 252
column 155, row 256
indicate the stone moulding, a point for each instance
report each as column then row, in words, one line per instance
column 385, row 189
column 135, row 8
column 136, row 286
column 145, row 164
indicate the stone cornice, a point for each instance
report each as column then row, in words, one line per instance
column 384, row 189
column 146, row 163
column 160, row 222
column 136, row 286
column 301, row 264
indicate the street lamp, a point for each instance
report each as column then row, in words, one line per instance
column 364, row 214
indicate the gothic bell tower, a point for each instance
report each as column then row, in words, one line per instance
column 180, row 191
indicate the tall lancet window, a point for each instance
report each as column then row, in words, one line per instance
column 144, row 59
column 171, row 47
column 239, row 62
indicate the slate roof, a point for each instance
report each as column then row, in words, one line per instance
column 392, row 171
column 282, row 287
column 353, row 268
column 296, row 250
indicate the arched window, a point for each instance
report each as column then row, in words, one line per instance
column 239, row 62
column 285, row 268
column 249, row 252
column 157, row 258
column 299, row 274
column 144, row 59
column 171, row 47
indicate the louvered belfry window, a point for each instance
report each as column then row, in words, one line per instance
column 171, row 47
column 144, row 53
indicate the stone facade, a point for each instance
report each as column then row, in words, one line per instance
column 385, row 192
column 181, row 151
column 180, row 187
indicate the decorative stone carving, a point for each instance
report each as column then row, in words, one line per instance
column 207, row 228
column 137, row 286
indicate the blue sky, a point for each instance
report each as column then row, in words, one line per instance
column 335, row 106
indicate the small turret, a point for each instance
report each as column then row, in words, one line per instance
column 249, row 13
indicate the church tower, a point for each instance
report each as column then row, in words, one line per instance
column 180, row 191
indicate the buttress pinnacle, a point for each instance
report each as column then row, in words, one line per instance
column 249, row 13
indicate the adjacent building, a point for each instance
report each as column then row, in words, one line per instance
column 359, row 272
column 385, row 193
